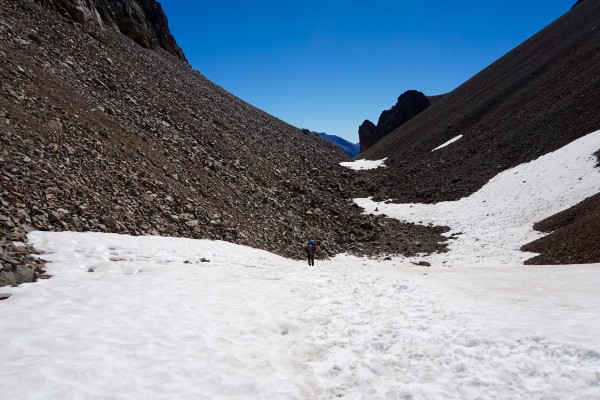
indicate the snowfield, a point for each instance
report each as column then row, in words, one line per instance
column 169, row 318
column 154, row 322
column 359, row 165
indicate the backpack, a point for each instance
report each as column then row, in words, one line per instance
column 310, row 248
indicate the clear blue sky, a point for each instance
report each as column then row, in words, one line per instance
column 329, row 65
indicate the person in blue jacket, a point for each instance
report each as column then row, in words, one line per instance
column 310, row 251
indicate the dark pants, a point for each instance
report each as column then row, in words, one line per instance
column 311, row 259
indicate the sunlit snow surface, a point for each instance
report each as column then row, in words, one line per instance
column 146, row 324
column 359, row 165
column 493, row 223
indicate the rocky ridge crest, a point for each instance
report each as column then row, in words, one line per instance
column 143, row 21
column 409, row 104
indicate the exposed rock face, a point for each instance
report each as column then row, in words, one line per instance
column 410, row 103
column 367, row 135
column 141, row 20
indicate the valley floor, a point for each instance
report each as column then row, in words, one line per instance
column 154, row 321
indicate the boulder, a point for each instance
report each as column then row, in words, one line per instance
column 7, row 278
column 23, row 274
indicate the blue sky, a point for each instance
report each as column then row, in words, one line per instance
column 329, row 65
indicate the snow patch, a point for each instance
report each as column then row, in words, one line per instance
column 363, row 164
column 448, row 142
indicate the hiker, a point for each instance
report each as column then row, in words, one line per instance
column 310, row 252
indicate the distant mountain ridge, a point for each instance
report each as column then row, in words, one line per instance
column 351, row 149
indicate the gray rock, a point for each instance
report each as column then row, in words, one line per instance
column 54, row 217
column 23, row 274
column 108, row 221
column 186, row 217
column 7, row 278
column 10, row 260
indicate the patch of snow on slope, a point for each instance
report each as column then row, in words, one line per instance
column 447, row 143
column 154, row 322
column 363, row 164
column 493, row 223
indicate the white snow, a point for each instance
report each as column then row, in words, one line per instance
column 249, row 324
column 493, row 223
column 454, row 139
column 144, row 318
column 359, row 165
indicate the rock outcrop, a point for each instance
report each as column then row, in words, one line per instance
column 410, row 104
column 141, row 20
column 367, row 135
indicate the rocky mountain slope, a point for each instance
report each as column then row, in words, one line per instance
column 100, row 134
column 537, row 98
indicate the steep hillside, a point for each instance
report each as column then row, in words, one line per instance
column 537, row 98
column 98, row 133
